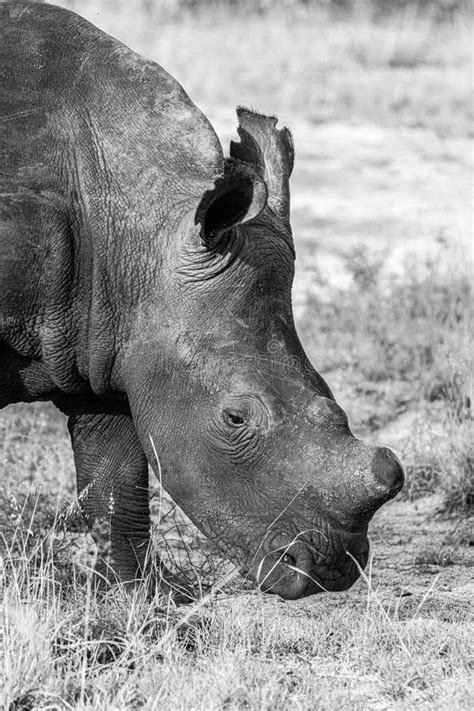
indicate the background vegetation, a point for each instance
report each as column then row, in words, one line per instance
column 378, row 96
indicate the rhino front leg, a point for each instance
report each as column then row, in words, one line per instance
column 112, row 482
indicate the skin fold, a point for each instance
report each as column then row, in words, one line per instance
column 145, row 289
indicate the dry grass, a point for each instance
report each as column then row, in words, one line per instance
column 393, row 347
column 63, row 648
column 239, row 651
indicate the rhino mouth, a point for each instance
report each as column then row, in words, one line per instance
column 310, row 562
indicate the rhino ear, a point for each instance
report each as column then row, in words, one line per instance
column 271, row 150
column 238, row 196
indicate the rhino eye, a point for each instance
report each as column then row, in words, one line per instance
column 234, row 418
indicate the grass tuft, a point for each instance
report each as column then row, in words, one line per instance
column 123, row 650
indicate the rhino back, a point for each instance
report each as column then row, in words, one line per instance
column 99, row 147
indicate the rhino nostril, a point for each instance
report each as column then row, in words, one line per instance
column 387, row 469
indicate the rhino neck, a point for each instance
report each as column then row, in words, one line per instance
column 129, row 214
column 126, row 150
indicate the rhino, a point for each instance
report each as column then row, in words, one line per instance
column 145, row 289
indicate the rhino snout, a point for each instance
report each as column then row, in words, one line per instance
column 315, row 560
column 285, row 571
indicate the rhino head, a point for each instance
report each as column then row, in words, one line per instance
column 251, row 442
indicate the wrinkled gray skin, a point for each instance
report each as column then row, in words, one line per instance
column 146, row 290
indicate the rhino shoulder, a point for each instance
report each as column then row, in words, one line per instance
column 59, row 63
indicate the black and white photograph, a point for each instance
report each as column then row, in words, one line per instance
column 236, row 355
